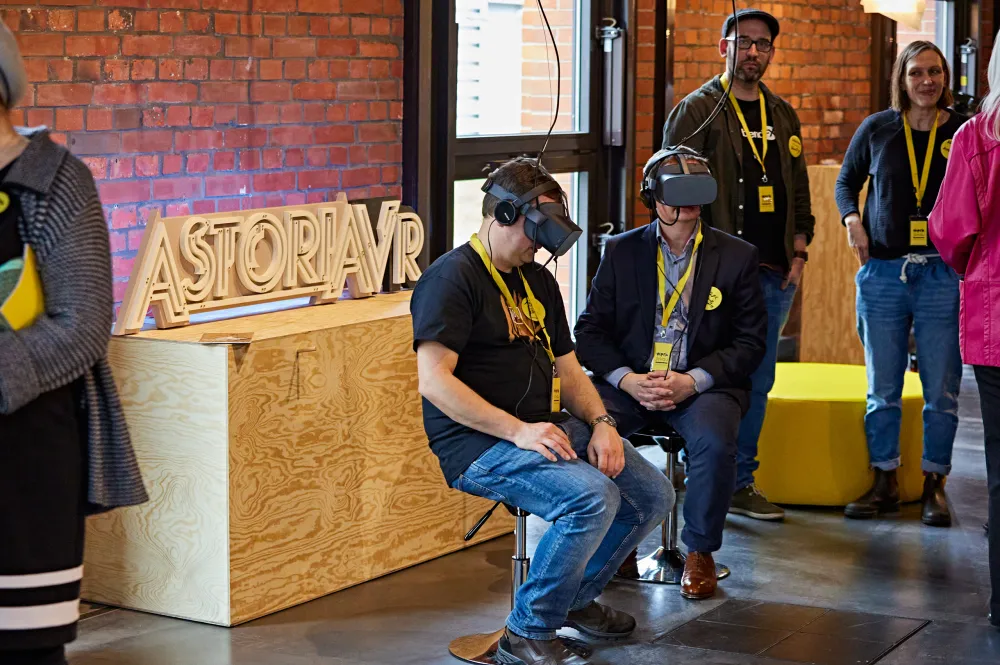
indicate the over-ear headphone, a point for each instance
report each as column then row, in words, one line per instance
column 510, row 205
column 548, row 224
column 687, row 188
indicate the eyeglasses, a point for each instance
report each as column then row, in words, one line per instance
column 744, row 43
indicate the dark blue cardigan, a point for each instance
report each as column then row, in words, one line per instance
column 877, row 154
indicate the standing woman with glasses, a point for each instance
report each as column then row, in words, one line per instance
column 64, row 445
column 902, row 154
column 965, row 227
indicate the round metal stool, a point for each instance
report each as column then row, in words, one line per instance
column 482, row 648
column 666, row 564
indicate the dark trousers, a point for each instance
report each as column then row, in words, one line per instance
column 710, row 425
column 988, row 379
column 54, row 656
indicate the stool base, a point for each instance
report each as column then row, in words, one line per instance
column 667, row 567
column 482, row 649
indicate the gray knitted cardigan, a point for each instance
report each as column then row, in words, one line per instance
column 64, row 224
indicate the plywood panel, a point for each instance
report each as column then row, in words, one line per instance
column 296, row 321
column 829, row 325
column 332, row 479
column 170, row 555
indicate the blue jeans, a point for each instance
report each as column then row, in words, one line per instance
column 887, row 308
column 779, row 304
column 708, row 423
column 596, row 522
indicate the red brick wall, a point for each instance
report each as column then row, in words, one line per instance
column 195, row 106
column 538, row 65
column 821, row 67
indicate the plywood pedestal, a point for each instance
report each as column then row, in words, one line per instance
column 278, row 471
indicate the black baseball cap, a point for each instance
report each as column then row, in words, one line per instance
column 746, row 14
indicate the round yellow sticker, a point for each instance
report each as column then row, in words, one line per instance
column 946, row 148
column 533, row 309
column 795, row 146
column 714, row 299
column 4, row 201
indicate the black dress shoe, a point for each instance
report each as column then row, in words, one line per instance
column 513, row 649
column 881, row 499
column 601, row 621
column 935, row 504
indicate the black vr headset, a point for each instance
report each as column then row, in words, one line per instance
column 548, row 224
column 678, row 177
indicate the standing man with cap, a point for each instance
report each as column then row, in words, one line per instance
column 755, row 151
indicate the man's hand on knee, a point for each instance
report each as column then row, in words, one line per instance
column 545, row 439
column 606, row 451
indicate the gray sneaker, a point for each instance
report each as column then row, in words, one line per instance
column 751, row 502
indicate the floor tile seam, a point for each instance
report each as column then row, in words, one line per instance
column 899, row 643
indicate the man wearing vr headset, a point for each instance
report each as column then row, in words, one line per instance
column 755, row 150
column 674, row 326
column 496, row 368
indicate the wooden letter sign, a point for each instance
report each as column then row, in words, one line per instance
column 210, row 262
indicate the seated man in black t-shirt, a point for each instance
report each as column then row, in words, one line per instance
column 496, row 365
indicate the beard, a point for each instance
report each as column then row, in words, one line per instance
column 750, row 71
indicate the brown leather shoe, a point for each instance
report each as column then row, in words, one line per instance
column 699, row 580
column 630, row 566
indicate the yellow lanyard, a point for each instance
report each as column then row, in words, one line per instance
column 920, row 186
column 535, row 311
column 760, row 157
column 668, row 307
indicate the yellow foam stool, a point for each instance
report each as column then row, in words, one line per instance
column 813, row 450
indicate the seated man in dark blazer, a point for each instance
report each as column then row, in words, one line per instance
column 691, row 368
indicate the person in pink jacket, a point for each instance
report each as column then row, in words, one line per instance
column 965, row 227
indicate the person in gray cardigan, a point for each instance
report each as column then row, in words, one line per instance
column 65, row 450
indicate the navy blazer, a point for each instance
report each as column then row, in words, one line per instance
column 616, row 329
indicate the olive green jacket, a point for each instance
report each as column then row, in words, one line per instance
column 722, row 144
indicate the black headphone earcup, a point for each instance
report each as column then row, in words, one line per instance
column 505, row 213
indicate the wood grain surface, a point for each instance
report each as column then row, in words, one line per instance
column 828, row 324
column 170, row 555
column 296, row 321
column 332, row 482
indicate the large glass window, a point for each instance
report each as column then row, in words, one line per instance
column 506, row 81
column 493, row 95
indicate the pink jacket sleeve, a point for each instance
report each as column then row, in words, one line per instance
column 956, row 220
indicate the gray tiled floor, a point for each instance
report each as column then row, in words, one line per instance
column 816, row 558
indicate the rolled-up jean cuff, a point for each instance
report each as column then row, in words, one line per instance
column 934, row 467
column 888, row 465
column 530, row 634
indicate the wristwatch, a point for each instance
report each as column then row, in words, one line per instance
column 603, row 418
column 802, row 255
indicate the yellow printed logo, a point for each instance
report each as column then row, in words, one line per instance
column 946, row 148
column 4, row 201
column 795, row 146
column 714, row 299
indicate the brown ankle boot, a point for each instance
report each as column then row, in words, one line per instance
column 881, row 499
column 630, row 566
column 935, row 503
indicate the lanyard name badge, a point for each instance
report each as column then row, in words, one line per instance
column 531, row 308
column 765, row 192
column 918, row 222
column 663, row 350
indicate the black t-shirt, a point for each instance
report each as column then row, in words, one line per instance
column 457, row 303
column 897, row 167
column 765, row 230
column 11, row 245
